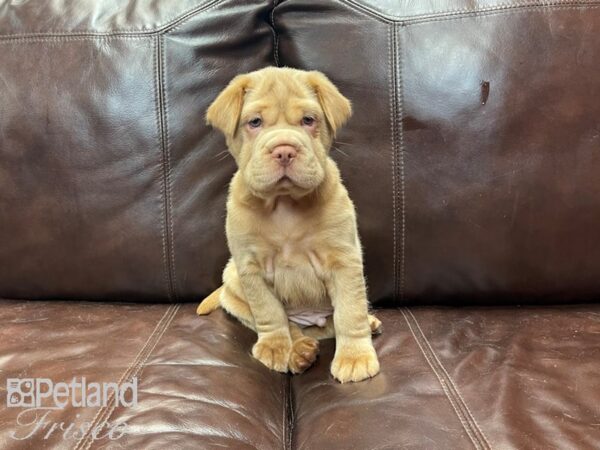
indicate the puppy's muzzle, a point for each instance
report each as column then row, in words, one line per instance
column 284, row 154
column 283, row 144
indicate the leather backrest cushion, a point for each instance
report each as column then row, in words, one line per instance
column 472, row 155
column 474, row 150
column 111, row 184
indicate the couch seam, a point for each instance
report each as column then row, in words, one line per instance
column 177, row 23
column 392, row 100
column 288, row 412
column 456, row 390
column 155, row 51
column 284, row 414
column 133, row 368
column 169, row 182
column 457, row 13
column 69, row 36
column 165, row 27
column 166, row 222
column 275, row 35
column 173, row 23
column 400, row 125
column 442, row 383
column 395, row 61
column 138, row 369
column 565, row 7
column 460, row 407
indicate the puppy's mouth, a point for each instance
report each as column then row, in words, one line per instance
column 289, row 180
column 285, row 180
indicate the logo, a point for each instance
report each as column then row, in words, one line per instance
column 20, row 392
column 43, row 392
column 38, row 397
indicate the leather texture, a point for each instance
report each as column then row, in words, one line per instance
column 111, row 184
column 472, row 158
column 473, row 151
column 478, row 377
column 484, row 378
column 197, row 383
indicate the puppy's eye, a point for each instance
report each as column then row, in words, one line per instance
column 255, row 123
column 308, row 121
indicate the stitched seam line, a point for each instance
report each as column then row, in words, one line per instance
column 501, row 12
column 460, row 14
column 137, row 370
column 168, row 180
column 452, row 393
column 465, row 425
column 392, row 90
column 275, row 35
column 130, row 372
column 400, row 126
column 482, row 13
column 166, row 27
column 174, row 23
column 163, row 213
column 397, row 138
column 455, row 388
column 450, row 14
column 184, row 18
column 66, row 38
column 166, row 223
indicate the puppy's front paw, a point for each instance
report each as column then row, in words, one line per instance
column 355, row 365
column 273, row 351
column 303, row 355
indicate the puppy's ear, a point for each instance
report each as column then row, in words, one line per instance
column 224, row 112
column 336, row 107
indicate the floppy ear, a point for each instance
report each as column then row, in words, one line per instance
column 336, row 107
column 224, row 112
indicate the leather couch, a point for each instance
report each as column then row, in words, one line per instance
column 473, row 158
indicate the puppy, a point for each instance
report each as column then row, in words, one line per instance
column 296, row 270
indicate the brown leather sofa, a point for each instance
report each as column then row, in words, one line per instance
column 473, row 158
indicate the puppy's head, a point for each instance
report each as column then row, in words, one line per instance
column 279, row 124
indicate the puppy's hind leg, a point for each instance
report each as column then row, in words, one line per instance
column 237, row 307
column 232, row 297
column 320, row 333
column 375, row 324
column 210, row 303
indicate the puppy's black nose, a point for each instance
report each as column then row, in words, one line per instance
column 284, row 154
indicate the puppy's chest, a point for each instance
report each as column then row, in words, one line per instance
column 294, row 264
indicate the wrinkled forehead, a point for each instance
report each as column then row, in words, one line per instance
column 274, row 95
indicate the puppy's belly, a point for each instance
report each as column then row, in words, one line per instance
column 298, row 285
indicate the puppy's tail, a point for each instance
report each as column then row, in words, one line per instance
column 210, row 303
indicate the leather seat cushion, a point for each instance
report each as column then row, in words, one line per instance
column 451, row 378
